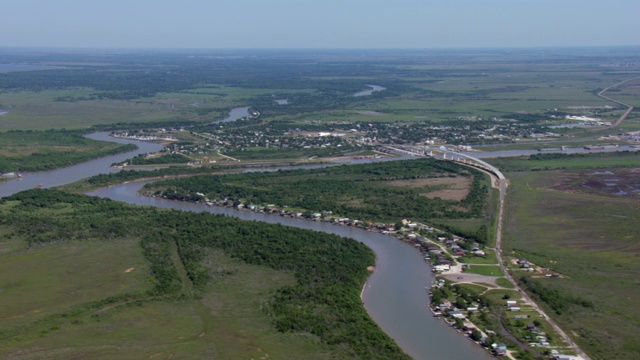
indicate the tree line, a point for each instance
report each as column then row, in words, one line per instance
column 364, row 192
column 329, row 270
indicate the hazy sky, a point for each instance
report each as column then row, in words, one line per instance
column 319, row 23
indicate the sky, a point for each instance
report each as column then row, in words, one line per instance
column 316, row 24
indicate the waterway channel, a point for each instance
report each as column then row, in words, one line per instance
column 373, row 88
column 394, row 296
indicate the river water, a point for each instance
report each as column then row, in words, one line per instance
column 394, row 295
column 373, row 89
column 235, row 114
column 47, row 179
column 58, row 177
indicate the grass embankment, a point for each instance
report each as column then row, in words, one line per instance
column 564, row 221
column 89, row 278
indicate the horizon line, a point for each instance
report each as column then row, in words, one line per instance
column 96, row 48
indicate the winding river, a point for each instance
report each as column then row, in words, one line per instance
column 394, row 295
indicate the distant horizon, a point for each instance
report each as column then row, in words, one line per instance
column 312, row 24
column 295, row 49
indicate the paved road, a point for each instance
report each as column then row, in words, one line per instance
column 502, row 186
column 629, row 107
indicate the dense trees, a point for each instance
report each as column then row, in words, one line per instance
column 329, row 270
column 365, row 192
column 553, row 297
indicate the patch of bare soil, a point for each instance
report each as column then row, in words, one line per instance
column 612, row 182
column 446, row 188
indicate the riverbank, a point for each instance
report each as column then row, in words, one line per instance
column 394, row 293
column 409, row 235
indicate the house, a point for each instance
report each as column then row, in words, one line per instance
column 444, row 267
column 511, row 303
column 445, row 305
column 501, row 349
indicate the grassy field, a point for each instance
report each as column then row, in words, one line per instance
column 489, row 259
column 488, row 270
column 36, row 151
column 498, row 295
column 43, row 110
column 423, row 88
column 591, row 239
column 588, row 235
column 46, row 291
column 40, row 110
column 566, row 161
column 225, row 323
column 504, row 283
column 38, row 282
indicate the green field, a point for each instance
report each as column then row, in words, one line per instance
column 488, row 270
column 90, row 279
column 82, row 277
column 424, row 86
column 538, row 162
column 225, row 322
column 489, row 259
column 46, row 150
column 504, row 283
column 590, row 237
column 43, row 110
